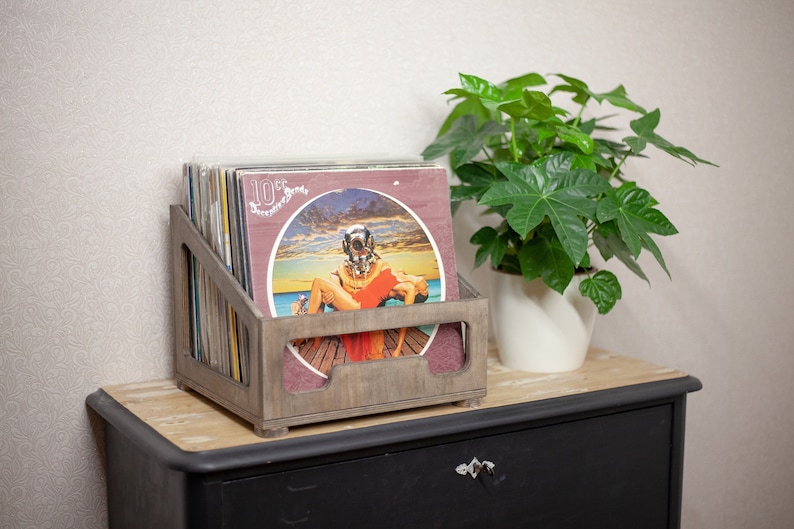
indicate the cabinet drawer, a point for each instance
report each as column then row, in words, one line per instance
column 606, row 471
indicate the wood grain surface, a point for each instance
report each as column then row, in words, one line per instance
column 194, row 423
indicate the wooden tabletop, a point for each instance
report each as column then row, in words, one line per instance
column 194, row 423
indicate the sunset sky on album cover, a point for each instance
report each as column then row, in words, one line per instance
column 311, row 245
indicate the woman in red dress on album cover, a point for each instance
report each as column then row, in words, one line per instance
column 365, row 281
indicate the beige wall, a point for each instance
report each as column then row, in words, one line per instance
column 102, row 101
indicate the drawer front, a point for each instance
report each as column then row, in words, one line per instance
column 609, row 471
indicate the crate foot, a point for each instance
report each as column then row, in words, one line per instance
column 469, row 403
column 181, row 385
column 270, row 433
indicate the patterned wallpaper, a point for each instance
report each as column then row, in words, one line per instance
column 84, row 189
column 100, row 104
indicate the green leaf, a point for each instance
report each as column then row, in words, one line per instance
column 648, row 243
column 480, row 98
column 576, row 137
column 610, row 245
column 645, row 130
column 472, row 87
column 469, row 106
column 479, row 86
column 463, row 130
column 579, row 89
column 619, row 98
column 490, row 244
column 513, row 88
column 582, row 94
column 464, row 139
column 545, row 257
column 549, row 190
column 477, row 174
column 583, row 161
column 462, row 193
column 476, row 180
column 531, row 105
column 603, row 288
column 562, row 173
column 632, row 208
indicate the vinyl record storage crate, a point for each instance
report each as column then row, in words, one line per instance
column 352, row 389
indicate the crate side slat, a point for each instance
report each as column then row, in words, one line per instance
column 243, row 400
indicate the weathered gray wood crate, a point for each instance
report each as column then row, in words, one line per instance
column 352, row 389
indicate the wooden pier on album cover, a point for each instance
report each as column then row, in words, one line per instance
column 330, row 352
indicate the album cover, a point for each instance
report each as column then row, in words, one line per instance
column 346, row 238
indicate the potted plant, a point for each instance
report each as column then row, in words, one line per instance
column 555, row 179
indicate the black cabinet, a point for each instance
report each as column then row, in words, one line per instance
column 610, row 458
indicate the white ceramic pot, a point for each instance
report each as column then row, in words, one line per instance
column 536, row 328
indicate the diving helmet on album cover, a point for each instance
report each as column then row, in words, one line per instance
column 359, row 245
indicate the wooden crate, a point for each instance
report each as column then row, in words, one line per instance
column 353, row 389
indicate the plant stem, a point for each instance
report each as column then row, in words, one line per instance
column 579, row 116
column 513, row 141
column 616, row 170
column 487, row 155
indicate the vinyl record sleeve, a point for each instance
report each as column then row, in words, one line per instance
column 295, row 221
